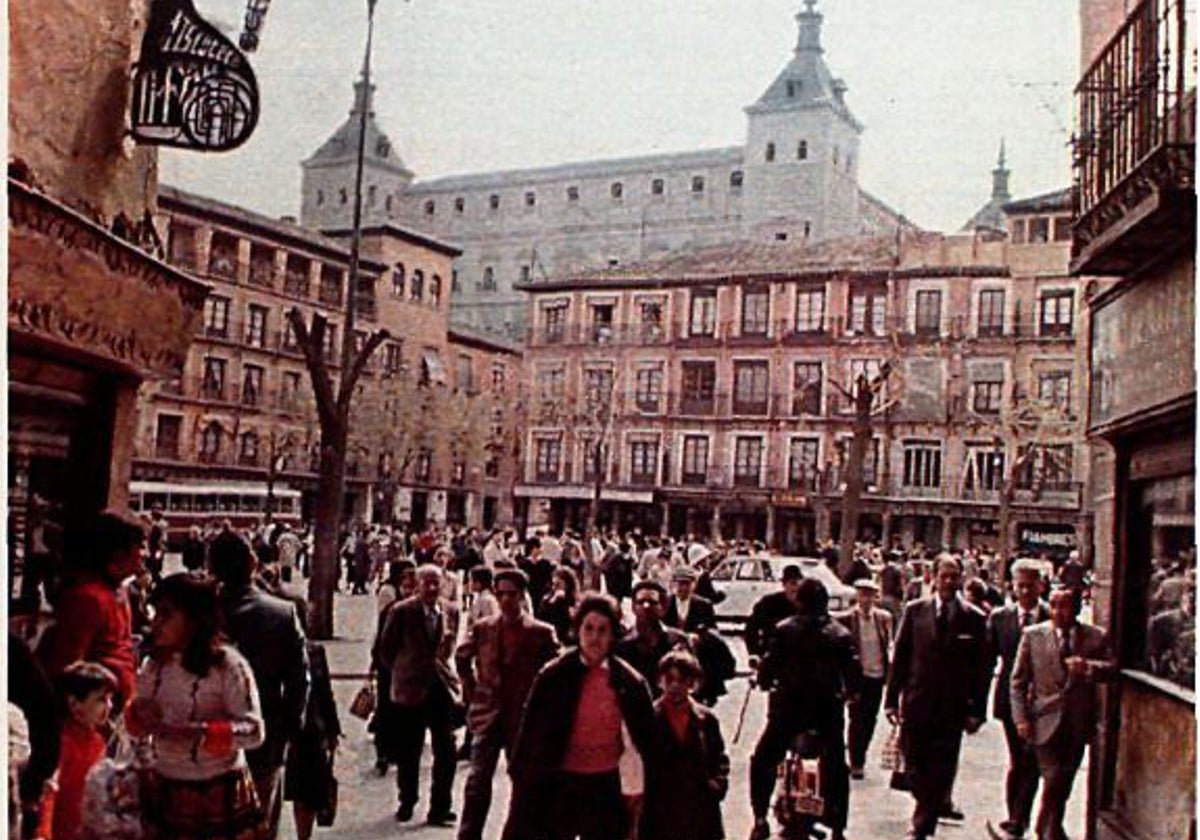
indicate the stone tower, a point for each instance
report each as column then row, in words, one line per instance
column 990, row 217
column 327, row 180
column 801, row 155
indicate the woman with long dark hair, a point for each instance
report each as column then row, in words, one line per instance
column 558, row 606
column 197, row 699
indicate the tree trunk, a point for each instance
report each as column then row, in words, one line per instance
column 1005, row 527
column 855, row 459
column 326, row 569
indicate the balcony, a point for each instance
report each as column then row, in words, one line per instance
column 1135, row 153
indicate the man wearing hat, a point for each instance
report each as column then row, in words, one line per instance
column 771, row 609
column 686, row 610
column 871, row 629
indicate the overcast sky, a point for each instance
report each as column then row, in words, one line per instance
column 477, row 85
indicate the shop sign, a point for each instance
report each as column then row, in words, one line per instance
column 192, row 88
column 791, row 498
column 1052, row 539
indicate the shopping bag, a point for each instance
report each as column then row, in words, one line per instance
column 890, row 758
column 363, row 704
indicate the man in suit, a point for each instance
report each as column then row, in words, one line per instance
column 1054, row 701
column 937, row 689
column 686, row 610
column 498, row 662
column 871, row 629
column 694, row 615
column 418, row 639
column 650, row 640
column 1005, row 626
column 267, row 631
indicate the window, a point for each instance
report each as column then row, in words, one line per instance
column 555, row 322
column 572, row 193
column 922, row 463
column 802, row 150
column 416, row 288
column 756, row 310
column 791, row 89
column 262, row 265
column 704, row 313
column 223, row 256
column 983, row 468
column 1018, row 231
column 372, row 194
column 288, row 341
column 751, row 384
column 296, row 277
column 320, row 197
column 698, row 184
column 1062, row 229
column 747, row 461
column 803, row 464
column 695, row 460
column 1054, row 389
column 548, row 451
column 598, row 390
column 643, row 462
column 737, row 179
column 806, row 388
column 460, row 204
column 617, row 189
column 330, row 291
column 991, row 312
column 986, row 397
column 551, row 383
column 698, row 387
column 424, row 465
column 657, row 186
column 455, row 286
column 524, row 274
column 435, row 289
column 216, row 317
column 530, row 199
column 648, row 386
column 494, row 201
column 166, row 436
column 928, row 320
column 859, row 368
column 868, row 312
column 1056, row 313
column 213, row 384
column 181, row 245
column 387, row 204
column 769, row 155
column 210, row 443
column 289, row 390
column 398, row 280
column 248, row 451
column 256, row 326
column 252, row 385
column 810, row 310
column 343, row 196
column 602, row 322
column 498, row 378
column 488, row 283
column 1058, row 468
column 870, row 469
column 1039, row 229
column 392, row 358
column 652, row 321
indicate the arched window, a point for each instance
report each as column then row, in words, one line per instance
column 494, row 201
column 417, row 287
column 698, row 184
column 435, row 289
column 430, row 207
column 802, row 150
column 770, row 153
column 398, row 280
column 617, row 189
column 489, row 279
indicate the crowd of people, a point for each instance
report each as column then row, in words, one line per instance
column 523, row 643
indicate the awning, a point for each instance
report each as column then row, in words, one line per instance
column 582, row 492
column 432, row 368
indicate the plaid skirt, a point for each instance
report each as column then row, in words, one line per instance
column 224, row 807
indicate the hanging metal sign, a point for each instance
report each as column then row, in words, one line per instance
column 256, row 12
column 192, row 88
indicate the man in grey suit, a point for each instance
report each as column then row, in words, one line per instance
column 937, row 689
column 1003, row 635
column 418, row 639
column 1053, row 693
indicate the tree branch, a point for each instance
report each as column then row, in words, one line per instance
column 350, row 377
column 312, row 344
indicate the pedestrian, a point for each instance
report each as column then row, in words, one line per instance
column 937, row 689
column 688, row 774
column 650, row 640
column 871, row 629
column 618, row 571
column 194, row 550
column 198, row 701
column 771, row 609
column 483, row 600
column 85, row 692
column 383, row 721
column 33, row 697
column 91, row 614
column 1004, row 629
column 811, row 668
column 309, row 782
column 1054, row 700
column 686, row 610
column 498, row 662
column 268, row 633
column 557, row 606
column 418, row 640
column 578, row 766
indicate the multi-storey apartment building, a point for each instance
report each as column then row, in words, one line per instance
column 730, row 369
column 241, row 416
column 1136, row 223
column 795, row 177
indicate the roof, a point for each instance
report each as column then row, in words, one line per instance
column 389, row 229
column 1059, row 200
column 988, row 217
column 460, row 334
column 342, row 145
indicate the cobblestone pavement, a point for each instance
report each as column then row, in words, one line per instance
column 367, row 802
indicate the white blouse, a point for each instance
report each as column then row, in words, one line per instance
column 226, row 692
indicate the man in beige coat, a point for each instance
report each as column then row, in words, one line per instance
column 1053, row 693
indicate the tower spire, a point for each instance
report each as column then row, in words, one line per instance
column 810, row 28
column 1000, row 176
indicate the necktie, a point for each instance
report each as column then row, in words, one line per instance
column 1026, row 618
column 943, row 619
column 431, row 620
column 1066, row 643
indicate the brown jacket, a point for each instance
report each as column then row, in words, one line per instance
column 497, row 681
column 417, row 660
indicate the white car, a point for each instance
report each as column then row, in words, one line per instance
column 746, row 578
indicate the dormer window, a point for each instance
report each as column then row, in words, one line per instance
column 372, row 194
column 802, row 150
column 430, row 208
column 617, row 189
column 770, row 154
column 387, row 204
column 494, row 201
column 342, row 197
column 657, row 187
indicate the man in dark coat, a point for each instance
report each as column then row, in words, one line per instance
column 811, row 668
column 650, row 640
column 772, row 609
column 686, row 610
column 937, row 689
column 1004, row 629
column 267, row 631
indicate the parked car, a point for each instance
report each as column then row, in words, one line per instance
column 746, row 578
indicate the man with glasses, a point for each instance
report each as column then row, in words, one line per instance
column 497, row 663
column 650, row 640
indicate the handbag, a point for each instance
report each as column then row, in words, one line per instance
column 363, row 704
column 890, row 758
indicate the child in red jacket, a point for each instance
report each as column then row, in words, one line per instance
column 86, row 692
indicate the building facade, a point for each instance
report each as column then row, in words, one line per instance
column 730, row 374
column 93, row 312
column 241, row 414
column 794, row 178
column 1135, row 223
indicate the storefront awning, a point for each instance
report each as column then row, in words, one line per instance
column 582, row 492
